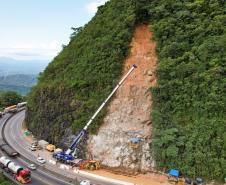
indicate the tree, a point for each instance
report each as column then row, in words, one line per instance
column 9, row 98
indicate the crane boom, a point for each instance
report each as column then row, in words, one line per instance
column 77, row 139
column 112, row 93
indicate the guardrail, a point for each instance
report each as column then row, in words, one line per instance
column 67, row 179
column 80, row 173
column 2, row 171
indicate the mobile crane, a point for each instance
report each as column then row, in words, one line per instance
column 70, row 154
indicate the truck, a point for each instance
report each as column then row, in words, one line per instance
column 21, row 104
column 43, row 144
column 50, row 147
column 10, row 109
column 7, row 149
column 22, row 175
column 70, row 154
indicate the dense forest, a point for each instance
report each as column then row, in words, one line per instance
column 189, row 100
column 9, row 98
column 83, row 74
column 189, row 110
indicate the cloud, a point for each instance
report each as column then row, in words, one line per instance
column 27, row 51
column 92, row 7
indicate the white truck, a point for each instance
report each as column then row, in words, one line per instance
column 43, row 144
column 22, row 104
column 21, row 174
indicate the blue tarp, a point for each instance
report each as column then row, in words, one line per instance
column 174, row 172
column 135, row 140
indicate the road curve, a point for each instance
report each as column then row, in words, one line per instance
column 48, row 174
column 38, row 176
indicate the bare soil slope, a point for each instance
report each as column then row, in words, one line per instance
column 129, row 112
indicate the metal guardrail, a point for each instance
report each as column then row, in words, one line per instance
column 68, row 179
column 45, row 169
column 1, row 170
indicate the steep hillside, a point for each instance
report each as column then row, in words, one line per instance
column 189, row 102
column 82, row 75
column 128, row 115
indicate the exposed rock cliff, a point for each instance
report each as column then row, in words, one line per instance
column 129, row 112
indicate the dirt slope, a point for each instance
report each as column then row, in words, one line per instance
column 129, row 112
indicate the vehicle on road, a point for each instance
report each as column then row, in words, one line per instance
column 22, row 104
column 50, row 148
column 43, row 144
column 8, row 149
column 11, row 109
column 41, row 160
column 33, row 148
column 19, row 173
column 35, row 143
column 32, row 167
column 1, row 114
column 85, row 182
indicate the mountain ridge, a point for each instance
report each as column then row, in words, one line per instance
column 189, row 103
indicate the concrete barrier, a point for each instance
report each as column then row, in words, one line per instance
column 61, row 175
column 52, row 162
column 118, row 182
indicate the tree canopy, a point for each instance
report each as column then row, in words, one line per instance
column 189, row 102
column 9, row 98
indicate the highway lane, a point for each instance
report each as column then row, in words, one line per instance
column 38, row 176
column 16, row 139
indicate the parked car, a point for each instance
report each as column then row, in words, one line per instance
column 32, row 167
column 33, row 148
column 85, row 182
column 41, row 160
column 35, row 143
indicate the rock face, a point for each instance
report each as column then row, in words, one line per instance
column 129, row 112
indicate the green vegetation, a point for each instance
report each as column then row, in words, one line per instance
column 9, row 98
column 83, row 74
column 4, row 181
column 189, row 99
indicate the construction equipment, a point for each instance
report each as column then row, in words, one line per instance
column 58, row 150
column 70, row 154
column 134, row 142
column 50, row 147
column 89, row 165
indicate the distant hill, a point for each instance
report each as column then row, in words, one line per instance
column 20, row 83
column 18, row 75
column 9, row 66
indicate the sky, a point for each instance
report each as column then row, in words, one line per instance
column 37, row 29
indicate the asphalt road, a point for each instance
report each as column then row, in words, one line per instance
column 41, row 176
column 38, row 176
